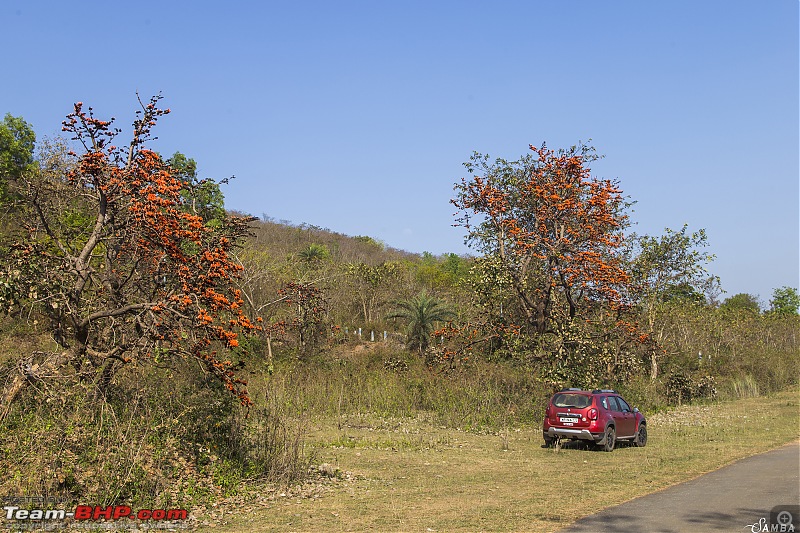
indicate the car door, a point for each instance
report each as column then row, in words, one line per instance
column 626, row 419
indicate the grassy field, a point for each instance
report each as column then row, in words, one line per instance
column 410, row 475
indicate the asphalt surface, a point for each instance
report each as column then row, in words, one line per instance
column 738, row 497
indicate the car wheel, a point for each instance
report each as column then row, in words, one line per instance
column 641, row 436
column 609, row 439
column 548, row 441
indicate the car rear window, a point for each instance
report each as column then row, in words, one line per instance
column 567, row 399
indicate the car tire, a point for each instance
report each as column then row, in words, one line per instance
column 641, row 436
column 609, row 439
column 548, row 441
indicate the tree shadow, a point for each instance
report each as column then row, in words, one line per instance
column 625, row 518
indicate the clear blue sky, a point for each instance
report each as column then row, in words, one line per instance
column 356, row 116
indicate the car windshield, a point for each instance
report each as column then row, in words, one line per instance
column 566, row 399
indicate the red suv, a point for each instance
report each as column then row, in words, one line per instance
column 601, row 416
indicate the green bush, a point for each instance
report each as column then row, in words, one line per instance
column 158, row 438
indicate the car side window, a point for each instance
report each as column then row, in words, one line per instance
column 612, row 403
column 605, row 403
column 623, row 405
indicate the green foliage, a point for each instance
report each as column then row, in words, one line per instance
column 741, row 302
column 665, row 271
column 443, row 272
column 374, row 275
column 17, row 140
column 372, row 283
column 672, row 265
column 201, row 196
column 785, row 302
column 184, row 168
column 421, row 313
column 491, row 288
column 370, row 242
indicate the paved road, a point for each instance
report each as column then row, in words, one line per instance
column 730, row 499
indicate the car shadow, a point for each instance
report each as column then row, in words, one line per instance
column 571, row 445
column 588, row 446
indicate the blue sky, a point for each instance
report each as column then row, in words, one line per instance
column 357, row 116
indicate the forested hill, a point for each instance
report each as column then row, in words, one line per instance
column 359, row 276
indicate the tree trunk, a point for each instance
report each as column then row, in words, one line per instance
column 104, row 380
column 653, row 366
column 29, row 371
column 651, row 321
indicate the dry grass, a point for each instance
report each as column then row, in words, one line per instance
column 411, row 475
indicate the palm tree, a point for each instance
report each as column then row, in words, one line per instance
column 420, row 313
column 314, row 254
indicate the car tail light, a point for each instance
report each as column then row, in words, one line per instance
column 547, row 412
column 592, row 414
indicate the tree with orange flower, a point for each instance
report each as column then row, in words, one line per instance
column 554, row 228
column 109, row 252
column 552, row 235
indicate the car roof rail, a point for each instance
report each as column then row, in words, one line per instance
column 571, row 389
column 599, row 391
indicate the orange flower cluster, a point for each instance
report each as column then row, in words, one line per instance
column 548, row 216
column 157, row 248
